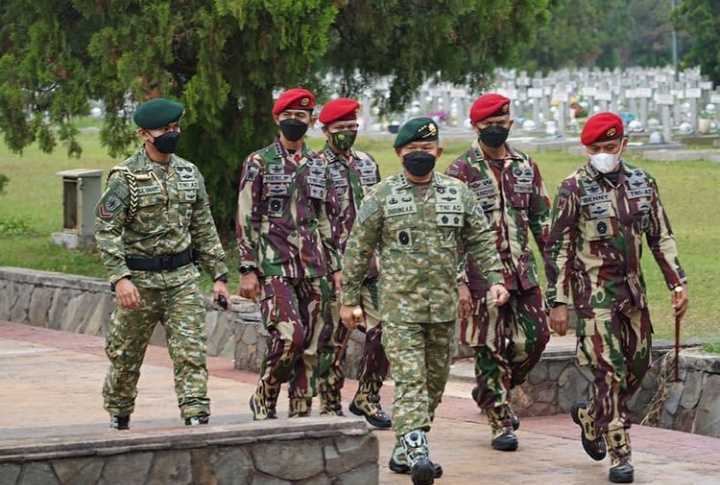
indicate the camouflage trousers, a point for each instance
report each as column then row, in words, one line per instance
column 333, row 345
column 617, row 347
column 419, row 355
column 508, row 342
column 292, row 311
column 181, row 311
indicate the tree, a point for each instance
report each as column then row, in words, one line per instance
column 224, row 58
column 700, row 19
column 457, row 41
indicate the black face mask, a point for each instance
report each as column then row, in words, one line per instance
column 419, row 163
column 167, row 142
column 343, row 140
column 494, row 136
column 293, row 129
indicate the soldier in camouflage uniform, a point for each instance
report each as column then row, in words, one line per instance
column 153, row 215
column 508, row 340
column 600, row 215
column 352, row 173
column 287, row 251
column 417, row 221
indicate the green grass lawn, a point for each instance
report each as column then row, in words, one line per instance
column 30, row 210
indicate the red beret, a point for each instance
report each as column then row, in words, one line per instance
column 488, row 105
column 295, row 98
column 340, row 109
column 602, row 127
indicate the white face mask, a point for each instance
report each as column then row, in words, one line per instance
column 605, row 162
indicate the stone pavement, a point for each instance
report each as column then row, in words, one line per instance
column 50, row 384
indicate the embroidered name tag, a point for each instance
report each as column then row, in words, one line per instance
column 278, row 179
column 188, row 185
column 641, row 192
column 400, row 209
column 594, row 198
column 483, row 188
column 149, row 190
column 449, row 207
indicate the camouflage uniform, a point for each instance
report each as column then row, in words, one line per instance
column 595, row 247
column 417, row 231
column 150, row 209
column 284, row 232
column 351, row 178
column 508, row 340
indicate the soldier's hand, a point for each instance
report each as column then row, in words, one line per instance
column 337, row 281
column 465, row 303
column 349, row 316
column 680, row 300
column 249, row 286
column 559, row 319
column 127, row 294
column 221, row 289
column 499, row 294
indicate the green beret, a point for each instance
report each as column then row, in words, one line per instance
column 416, row 129
column 157, row 113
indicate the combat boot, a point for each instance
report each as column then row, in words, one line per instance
column 197, row 420
column 593, row 443
column 621, row 468
column 120, row 422
column 366, row 403
column 299, row 407
column 417, row 453
column 503, row 437
column 399, row 464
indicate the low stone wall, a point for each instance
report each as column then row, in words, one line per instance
column 83, row 305
column 693, row 403
column 315, row 451
column 557, row 381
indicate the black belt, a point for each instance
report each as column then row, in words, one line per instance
column 165, row 262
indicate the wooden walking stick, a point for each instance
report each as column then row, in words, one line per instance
column 677, row 348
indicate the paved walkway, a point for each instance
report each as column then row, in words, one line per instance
column 50, row 385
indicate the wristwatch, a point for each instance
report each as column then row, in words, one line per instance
column 244, row 269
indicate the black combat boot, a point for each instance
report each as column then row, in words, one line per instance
column 593, row 443
column 503, row 437
column 514, row 419
column 120, row 422
column 621, row 468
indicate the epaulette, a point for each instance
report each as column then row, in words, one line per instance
column 131, row 180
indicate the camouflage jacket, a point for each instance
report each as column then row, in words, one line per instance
column 284, row 205
column 418, row 231
column 512, row 194
column 149, row 209
column 351, row 178
column 596, row 240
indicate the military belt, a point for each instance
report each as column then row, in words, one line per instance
column 164, row 262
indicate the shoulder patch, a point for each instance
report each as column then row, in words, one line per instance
column 112, row 202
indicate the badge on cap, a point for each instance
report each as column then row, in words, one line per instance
column 304, row 102
column 611, row 132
